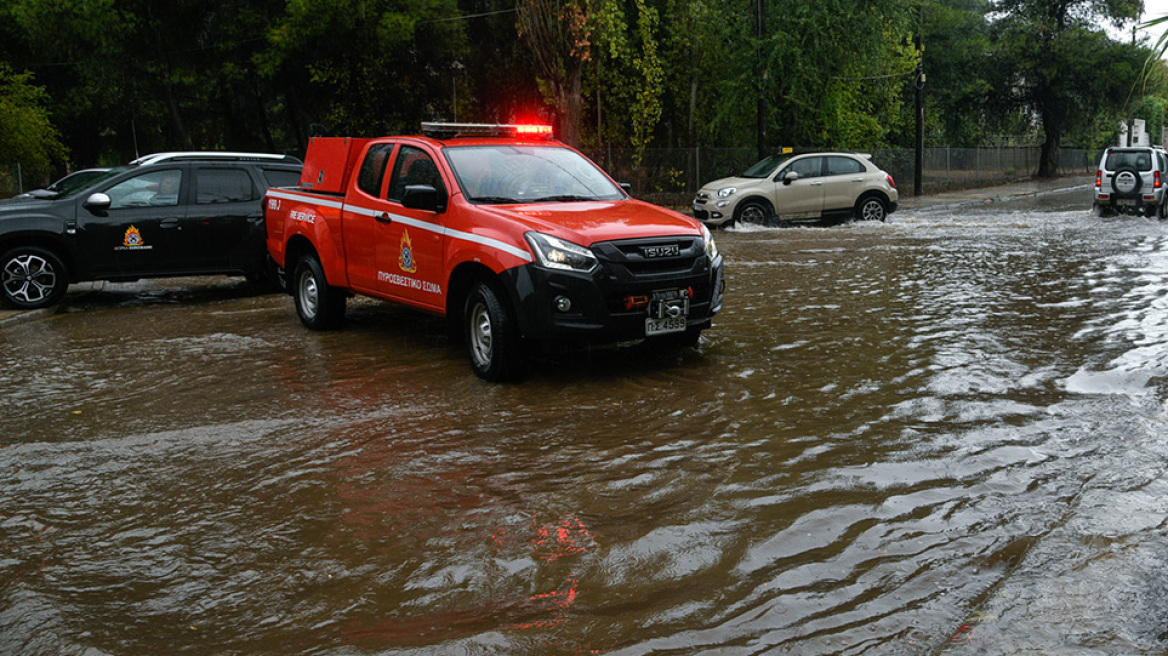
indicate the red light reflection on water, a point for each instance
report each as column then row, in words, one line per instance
column 566, row 537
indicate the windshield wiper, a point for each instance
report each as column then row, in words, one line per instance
column 495, row 200
column 566, row 198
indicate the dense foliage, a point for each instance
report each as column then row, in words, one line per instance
column 125, row 77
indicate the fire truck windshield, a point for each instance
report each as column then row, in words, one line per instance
column 505, row 174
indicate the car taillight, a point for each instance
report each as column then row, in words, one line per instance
column 1157, row 182
column 891, row 182
column 1098, row 179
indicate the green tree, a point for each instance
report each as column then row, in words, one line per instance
column 960, row 80
column 27, row 135
column 559, row 36
column 1064, row 68
column 365, row 67
column 630, row 72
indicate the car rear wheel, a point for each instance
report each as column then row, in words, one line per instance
column 31, row 278
column 492, row 336
column 755, row 212
column 871, row 208
column 319, row 306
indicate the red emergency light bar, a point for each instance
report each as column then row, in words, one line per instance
column 452, row 130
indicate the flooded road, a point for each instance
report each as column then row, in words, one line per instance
column 943, row 434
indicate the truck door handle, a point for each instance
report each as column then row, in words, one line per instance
column 384, row 217
column 169, row 223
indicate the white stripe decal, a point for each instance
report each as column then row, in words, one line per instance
column 413, row 223
column 335, row 204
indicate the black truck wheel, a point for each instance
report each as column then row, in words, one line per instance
column 31, row 278
column 492, row 336
column 319, row 306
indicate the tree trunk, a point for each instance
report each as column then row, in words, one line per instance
column 1048, row 161
column 1052, row 125
column 569, row 106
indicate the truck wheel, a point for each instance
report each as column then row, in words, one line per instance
column 492, row 337
column 319, row 306
column 31, row 278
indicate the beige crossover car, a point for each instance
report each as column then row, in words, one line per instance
column 785, row 189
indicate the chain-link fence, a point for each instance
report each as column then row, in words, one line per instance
column 11, row 180
column 671, row 176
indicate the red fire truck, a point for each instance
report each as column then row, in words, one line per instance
column 517, row 239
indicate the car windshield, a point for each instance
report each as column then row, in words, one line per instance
column 1140, row 160
column 766, row 167
column 72, row 187
column 504, row 174
column 76, row 181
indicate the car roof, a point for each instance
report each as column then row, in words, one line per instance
column 825, row 153
column 215, row 155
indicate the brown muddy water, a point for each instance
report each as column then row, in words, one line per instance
column 944, row 434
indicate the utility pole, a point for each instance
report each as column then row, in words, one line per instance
column 760, row 75
column 1131, row 119
column 919, row 83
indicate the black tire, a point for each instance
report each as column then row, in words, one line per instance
column 319, row 306
column 871, row 208
column 31, row 278
column 492, row 336
column 1162, row 210
column 754, row 212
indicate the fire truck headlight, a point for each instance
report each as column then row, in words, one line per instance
column 711, row 247
column 553, row 253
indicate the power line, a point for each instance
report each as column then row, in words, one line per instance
column 470, row 16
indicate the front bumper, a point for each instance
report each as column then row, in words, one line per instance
column 604, row 304
column 712, row 211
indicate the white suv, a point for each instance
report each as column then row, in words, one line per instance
column 785, row 189
column 1131, row 181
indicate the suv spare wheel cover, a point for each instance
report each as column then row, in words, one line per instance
column 1126, row 181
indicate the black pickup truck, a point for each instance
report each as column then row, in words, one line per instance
column 169, row 214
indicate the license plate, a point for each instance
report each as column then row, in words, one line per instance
column 698, row 207
column 1125, row 201
column 664, row 326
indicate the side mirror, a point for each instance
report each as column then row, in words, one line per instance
column 790, row 177
column 423, row 197
column 97, row 202
column 628, row 188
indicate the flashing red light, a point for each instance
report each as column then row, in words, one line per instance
column 539, row 130
column 454, row 130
